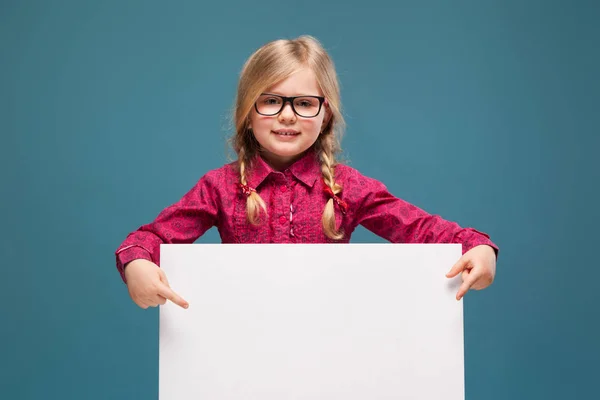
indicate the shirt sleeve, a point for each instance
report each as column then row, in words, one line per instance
column 182, row 222
column 401, row 222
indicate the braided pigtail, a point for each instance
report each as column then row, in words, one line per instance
column 254, row 203
column 331, row 188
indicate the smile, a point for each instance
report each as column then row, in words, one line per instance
column 283, row 132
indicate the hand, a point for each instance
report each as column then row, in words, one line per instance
column 478, row 267
column 148, row 285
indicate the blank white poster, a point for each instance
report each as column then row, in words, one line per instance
column 312, row 321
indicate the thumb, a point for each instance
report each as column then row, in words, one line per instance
column 458, row 267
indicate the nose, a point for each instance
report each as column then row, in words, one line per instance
column 287, row 114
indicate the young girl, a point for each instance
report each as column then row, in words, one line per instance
column 286, row 186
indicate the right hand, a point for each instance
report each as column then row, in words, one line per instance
column 148, row 285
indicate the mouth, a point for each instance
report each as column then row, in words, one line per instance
column 286, row 132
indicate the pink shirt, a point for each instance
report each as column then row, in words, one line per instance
column 295, row 200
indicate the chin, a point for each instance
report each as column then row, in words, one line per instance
column 286, row 151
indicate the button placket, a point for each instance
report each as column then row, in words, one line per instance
column 282, row 196
column 291, row 220
column 292, row 208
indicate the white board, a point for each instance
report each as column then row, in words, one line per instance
column 311, row 321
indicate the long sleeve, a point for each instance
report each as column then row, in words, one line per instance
column 401, row 222
column 182, row 222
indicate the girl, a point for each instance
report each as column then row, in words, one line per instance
column 286, row 185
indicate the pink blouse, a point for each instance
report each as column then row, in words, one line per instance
column 295, row 200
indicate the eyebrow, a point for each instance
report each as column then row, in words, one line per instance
column 295, row 95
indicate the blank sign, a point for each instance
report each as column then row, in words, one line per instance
column 312, row 321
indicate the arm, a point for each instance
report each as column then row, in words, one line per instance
column 401, row 222
column 182, row 222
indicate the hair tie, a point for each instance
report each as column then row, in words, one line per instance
column 247, row 189
column 341, row 203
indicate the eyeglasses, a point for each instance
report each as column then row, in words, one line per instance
column 304, row 106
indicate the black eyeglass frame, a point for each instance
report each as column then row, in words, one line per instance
column 291, row 99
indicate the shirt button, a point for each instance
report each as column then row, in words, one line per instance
column 283, row 188
column 282, row 219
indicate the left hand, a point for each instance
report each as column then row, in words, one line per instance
column 478, row 267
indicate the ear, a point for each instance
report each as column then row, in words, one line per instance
column 326, row 119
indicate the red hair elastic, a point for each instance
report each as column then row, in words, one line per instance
column 341, row 203
column 247, row 189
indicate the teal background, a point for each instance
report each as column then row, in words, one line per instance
column 485, row 112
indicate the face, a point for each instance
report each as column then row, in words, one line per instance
column 284, row 137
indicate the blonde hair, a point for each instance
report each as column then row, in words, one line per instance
column 270, row 64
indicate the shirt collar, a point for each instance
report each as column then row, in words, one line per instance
column 306, row 169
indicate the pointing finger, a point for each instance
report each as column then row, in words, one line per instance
column 169, row 294
column 468, row 281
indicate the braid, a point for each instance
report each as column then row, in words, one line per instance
column 254, row 203
column 327, row 170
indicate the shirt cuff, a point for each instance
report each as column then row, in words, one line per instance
column 473, row 238
column 128, row 254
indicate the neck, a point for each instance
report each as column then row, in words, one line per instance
column 280, row 163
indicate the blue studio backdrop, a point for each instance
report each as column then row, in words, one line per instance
column 484, row 112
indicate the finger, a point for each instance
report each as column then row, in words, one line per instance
column 460, row 265
column 139, row 302
column 160, row 300
column 150, row 301
column 464, row 288
column 143, row 304
column 169, row 294
column 465, row 274
column 466, row 285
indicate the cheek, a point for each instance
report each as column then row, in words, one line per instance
column 311, row 125
column 261, row 123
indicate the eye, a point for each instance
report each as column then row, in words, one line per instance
column 271, row 100
column 306, row 102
